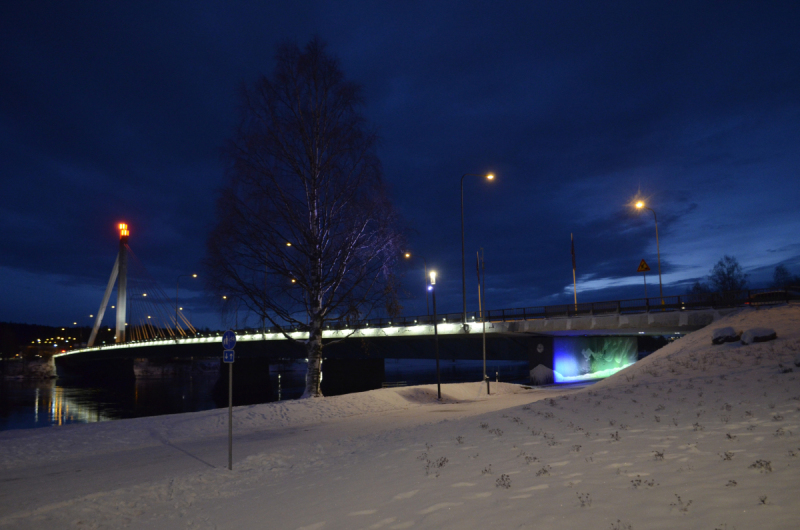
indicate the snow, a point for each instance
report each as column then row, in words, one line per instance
column 695, row 435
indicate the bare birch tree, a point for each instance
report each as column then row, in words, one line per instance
column 305, row 232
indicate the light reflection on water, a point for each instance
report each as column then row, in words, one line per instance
column 55, row 402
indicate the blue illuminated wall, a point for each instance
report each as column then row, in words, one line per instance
column 586, row 358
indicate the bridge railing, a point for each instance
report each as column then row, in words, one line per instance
column 718, row 300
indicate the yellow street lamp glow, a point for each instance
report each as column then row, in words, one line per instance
column 407, row 254
column 294, row 281
column 489, row 176
column 194, row 275
column 639, row 205
column 288, row 244
column 433, row 277
column 224, row 297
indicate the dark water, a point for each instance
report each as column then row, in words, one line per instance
column 72, row 399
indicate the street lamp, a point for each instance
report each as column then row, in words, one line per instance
column 488, row 176
column 177, row 284
column 432, row 288
column 407, row 255
column 641, row 206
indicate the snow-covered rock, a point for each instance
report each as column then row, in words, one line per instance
column 758, row 335
column 542, row 375
column 726, row 334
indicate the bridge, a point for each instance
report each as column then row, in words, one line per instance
column 586, row 337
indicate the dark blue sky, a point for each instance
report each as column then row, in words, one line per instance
column 116, row 111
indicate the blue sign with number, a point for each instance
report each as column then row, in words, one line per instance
column 227, row 356
column 228, row 340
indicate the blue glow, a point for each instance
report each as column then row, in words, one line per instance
column 590, row 358
column 564, row 364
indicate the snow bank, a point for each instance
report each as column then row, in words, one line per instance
column 693, row 436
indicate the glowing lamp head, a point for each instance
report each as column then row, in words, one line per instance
column 407, row 255
column 194, row 275
column 123, row 230
column 639, row 205
column 489, row 176
column 433, row 277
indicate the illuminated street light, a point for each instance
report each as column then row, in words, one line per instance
column 432, row 288
column 640, row 205
column 488, row 176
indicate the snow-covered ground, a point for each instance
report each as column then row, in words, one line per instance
column 693, row 436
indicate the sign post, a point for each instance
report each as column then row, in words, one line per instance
column 643, row 268
column 228, row 342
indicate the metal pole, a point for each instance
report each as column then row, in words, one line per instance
column 427, row 306
column 436, row 340
column 230, row 416
column 658, row 251
column 482, row 290
column 463, row 265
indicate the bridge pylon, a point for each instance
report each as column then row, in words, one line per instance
column 120, row 270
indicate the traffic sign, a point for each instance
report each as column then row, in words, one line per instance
column 643, row 267
column 227, row 356
column 228, row 340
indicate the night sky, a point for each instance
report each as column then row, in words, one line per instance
column 117, row 111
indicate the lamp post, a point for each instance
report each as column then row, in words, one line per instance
column 177, row 284
column 432, row 288
column 641, row 206
column 407, row 255
column 489, row 176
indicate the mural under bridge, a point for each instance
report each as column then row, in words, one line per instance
column 587, row 358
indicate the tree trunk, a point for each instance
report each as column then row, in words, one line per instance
column 314, row 352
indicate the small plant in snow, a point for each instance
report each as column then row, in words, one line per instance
column 763, row 466
column 487, row 470
column 730, row 436
column 681, row 506
column 615, row 436
column 658, row 419
column 660, row 408
column 658, row 455
column 727, row 455
column 576, row 448
column 777, row 417
column 496, row 432
column 459, row 440
column 619, row 525
column 529, row 459
column 780, row 432
column 638, row 482
column 731, row 484
column 544, row 471
column 503, row 482
column 584, row 499
column 432, row 466
column 697, row 427
column 484, row 425
column 763, row 499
